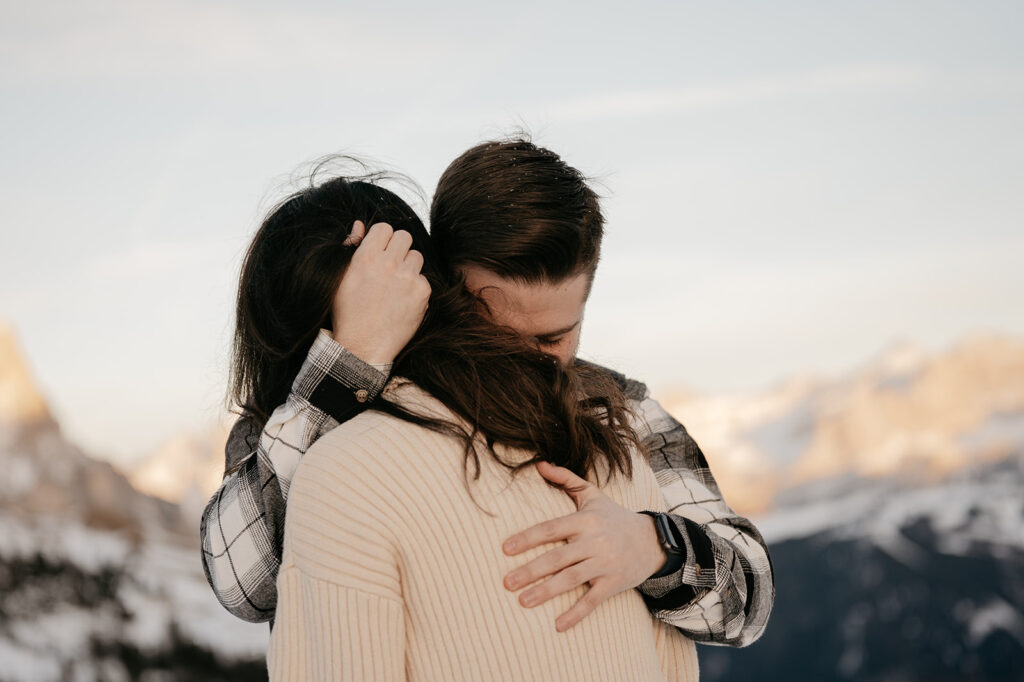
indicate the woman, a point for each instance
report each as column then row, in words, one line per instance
column 388, row 571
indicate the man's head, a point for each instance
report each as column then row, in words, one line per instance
column 525, row 230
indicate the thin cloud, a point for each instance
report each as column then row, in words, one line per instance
column 638, row 103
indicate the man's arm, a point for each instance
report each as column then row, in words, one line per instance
column 724, row 592
column 243, row 524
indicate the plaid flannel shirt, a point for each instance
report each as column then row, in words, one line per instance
column 723, row 593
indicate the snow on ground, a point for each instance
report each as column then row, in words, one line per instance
column 160, row 586
column 964, row 509
column 55, row 539
column 996, row 615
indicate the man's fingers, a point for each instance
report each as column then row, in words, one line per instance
column 546, row 564
column 549, row 531
column 356, row 235
column 565, row 580
column 597, row 593
column 579, row 489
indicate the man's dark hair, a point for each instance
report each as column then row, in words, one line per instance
column 517, row 210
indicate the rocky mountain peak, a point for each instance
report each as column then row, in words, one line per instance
column 21, row 401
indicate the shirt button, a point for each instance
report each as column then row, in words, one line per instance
column 698, row 570
column 362, row 395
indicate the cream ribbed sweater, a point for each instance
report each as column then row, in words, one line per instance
column 391, row 572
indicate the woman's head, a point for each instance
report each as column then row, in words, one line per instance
column 290, row 273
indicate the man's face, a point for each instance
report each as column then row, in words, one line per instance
column 549, row 315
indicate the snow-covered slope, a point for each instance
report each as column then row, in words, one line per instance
column 893, row 579
column 99, row 581
column 86, row 604
column 902, row 413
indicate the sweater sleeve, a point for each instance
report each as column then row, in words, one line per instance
column 325, row 631
column 340, row 611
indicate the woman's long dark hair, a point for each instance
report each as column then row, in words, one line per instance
column 510, row 393
column 290, row 273
column 504, row 389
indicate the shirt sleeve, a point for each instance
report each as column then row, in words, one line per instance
column 725, row 590
column 242, row 527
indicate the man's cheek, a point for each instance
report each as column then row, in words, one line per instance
column 568, row 348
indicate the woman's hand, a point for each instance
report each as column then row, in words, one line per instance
column 610, row 547
column 382, row 297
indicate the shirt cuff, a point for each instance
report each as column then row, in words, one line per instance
column 328, row 360
column 660, row 587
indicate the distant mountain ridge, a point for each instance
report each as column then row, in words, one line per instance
column 891, row 497
column 904, row 413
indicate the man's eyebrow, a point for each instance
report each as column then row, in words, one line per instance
column 559, row 332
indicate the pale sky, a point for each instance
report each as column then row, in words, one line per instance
column 790, row 186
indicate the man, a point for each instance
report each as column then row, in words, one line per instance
column 701, row 567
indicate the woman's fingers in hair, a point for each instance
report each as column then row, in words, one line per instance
column 356, row 234
column 399, row 244
column 378, row 237
column 414, row 261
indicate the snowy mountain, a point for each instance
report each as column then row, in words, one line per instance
column 902, row 413
column 891, row 499
column 889, row 579
column 186, row 469
column 98, row 581
column 20, row 400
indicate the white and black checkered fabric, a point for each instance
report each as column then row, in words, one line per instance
column 723, row 594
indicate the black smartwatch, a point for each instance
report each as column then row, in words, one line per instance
column 669, row 542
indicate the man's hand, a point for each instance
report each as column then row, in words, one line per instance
column 610, row 547
column 382, row 297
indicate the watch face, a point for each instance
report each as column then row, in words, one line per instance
column 665, row 535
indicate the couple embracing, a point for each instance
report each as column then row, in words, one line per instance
column 426, row 484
